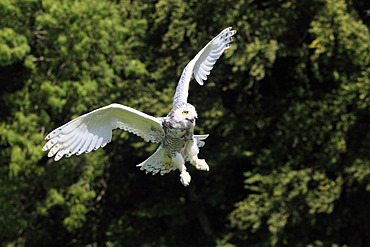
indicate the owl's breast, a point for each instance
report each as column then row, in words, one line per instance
column 176, row 136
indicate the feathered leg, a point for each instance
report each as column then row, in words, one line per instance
column 179, row 162
column 192, row 151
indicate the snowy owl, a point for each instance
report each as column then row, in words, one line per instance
column 175, row 132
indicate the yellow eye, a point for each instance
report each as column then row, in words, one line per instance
column 185, row 112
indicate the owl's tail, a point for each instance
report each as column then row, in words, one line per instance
column 200, row 138
column 157, row 162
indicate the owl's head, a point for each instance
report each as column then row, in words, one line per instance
column 184, row 112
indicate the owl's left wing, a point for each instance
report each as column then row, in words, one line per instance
column 202, row 64
column 94, row 130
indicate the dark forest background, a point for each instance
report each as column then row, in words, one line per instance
column 287, row 108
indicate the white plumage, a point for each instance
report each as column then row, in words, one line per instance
column 201, row 65
column 94, row 130
column 175, row 132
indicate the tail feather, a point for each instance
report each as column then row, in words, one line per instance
column 200, row 138
column 157, row 162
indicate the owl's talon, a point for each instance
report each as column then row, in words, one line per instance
column 202, row 165
column 185, row 178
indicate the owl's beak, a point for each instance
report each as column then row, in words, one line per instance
column 190, row 119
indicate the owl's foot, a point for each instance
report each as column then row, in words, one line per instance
column 185, row 178
column 201, row 164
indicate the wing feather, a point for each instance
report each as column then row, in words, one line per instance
column 201, row 65
column 54, row 150
column 72, row 140
column 65, row 129
column 81, row 141
column 86, row 144
column 107, row 136
column 60, row 154
column 94, row 130
column 63, row 137
column 208, row 62
column 77, row 138
column 92, row 141
column 48, row 145
column 92, row 144
column 98, row 143
column 206, row 67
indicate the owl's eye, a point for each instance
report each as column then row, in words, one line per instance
column 185, row 112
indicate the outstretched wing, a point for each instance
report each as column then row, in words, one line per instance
column 202, row 64
column 94, row 130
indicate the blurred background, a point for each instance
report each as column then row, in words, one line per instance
column 287, row 108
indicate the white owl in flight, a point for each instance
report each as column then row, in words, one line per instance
column 175, row 132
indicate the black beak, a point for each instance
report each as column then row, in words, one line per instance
column 190, row 120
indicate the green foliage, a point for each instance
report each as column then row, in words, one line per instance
column 300, row 171
column 286, row 107
column 13, row 47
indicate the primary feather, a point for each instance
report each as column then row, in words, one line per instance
column 201, row 65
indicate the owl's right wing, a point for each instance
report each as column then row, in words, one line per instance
column 202, row 64
column 94, row 130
